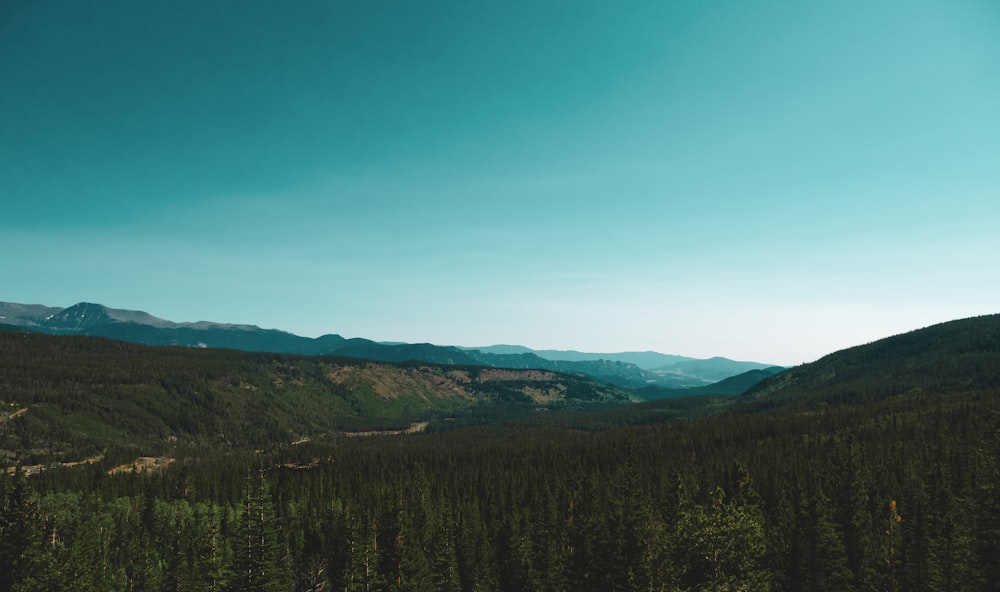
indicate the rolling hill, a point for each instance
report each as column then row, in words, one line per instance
column 955, row 357
column 66, row 397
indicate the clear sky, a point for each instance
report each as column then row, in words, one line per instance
column 767, row 181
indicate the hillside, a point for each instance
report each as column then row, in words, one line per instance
column 66, row 397
column 954, row 357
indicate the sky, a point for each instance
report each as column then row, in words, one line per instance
column 768, row 181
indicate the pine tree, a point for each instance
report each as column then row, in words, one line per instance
column 258, row 553
column 17, row 521
column 823, row 560
column 211, row 565
column 892, row 544
column 361, row 570
column 987, row 509
column 855, row 513
column 475, row 551
column 413, row 572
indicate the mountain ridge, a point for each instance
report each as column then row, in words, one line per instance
column 664, row 370
column 647, row 360
column 957, row 356
column 141, row 327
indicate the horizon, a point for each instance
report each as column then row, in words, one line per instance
column 769, row 183
column 537, row 350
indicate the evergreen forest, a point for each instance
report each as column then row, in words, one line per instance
column 872, row 469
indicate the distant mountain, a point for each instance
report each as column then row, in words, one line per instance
column 663, row 370
column 86, row 315
column 402, row 352
column 733, row 385
column 956, row 357
column 627, row 369
column 608, row 371
column 141, row 327
column 647, row 360
column 709, row 370
column 25, row 315
column 65, row 397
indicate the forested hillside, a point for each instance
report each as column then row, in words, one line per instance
column 896, row 495
column 67, row 398
column 896, row 490
column 952, row 357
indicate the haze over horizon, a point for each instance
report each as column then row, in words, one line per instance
column 761, row 181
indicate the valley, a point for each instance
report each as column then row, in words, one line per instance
column 144, row 467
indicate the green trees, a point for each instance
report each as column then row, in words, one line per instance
column 985, row 506
column 17, row 520
column 204, row 559
column 637, row 509
column 258, row 554
column 721, row 546
column 857, row 510
column 823, row 566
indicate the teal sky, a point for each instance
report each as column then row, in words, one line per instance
column 769, row 181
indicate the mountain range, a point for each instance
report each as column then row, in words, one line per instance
column 628, row 369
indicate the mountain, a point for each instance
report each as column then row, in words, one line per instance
column 627, row 370
column 663, row 370
column 608, row 371
column 67, row 397
column 211, row 335
column 25, row 315
column 709, row 370
column 960, row 356
column 141, row 327
column 647, row 360
column 733, row 385
column 86, row 315
column 402, row 352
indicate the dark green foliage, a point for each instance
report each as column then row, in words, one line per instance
column 782, row 502
column 954, row 357
column 721, row 545
column 16, row 515
column 258, row 558
column 890, row 493
column 85, row 397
